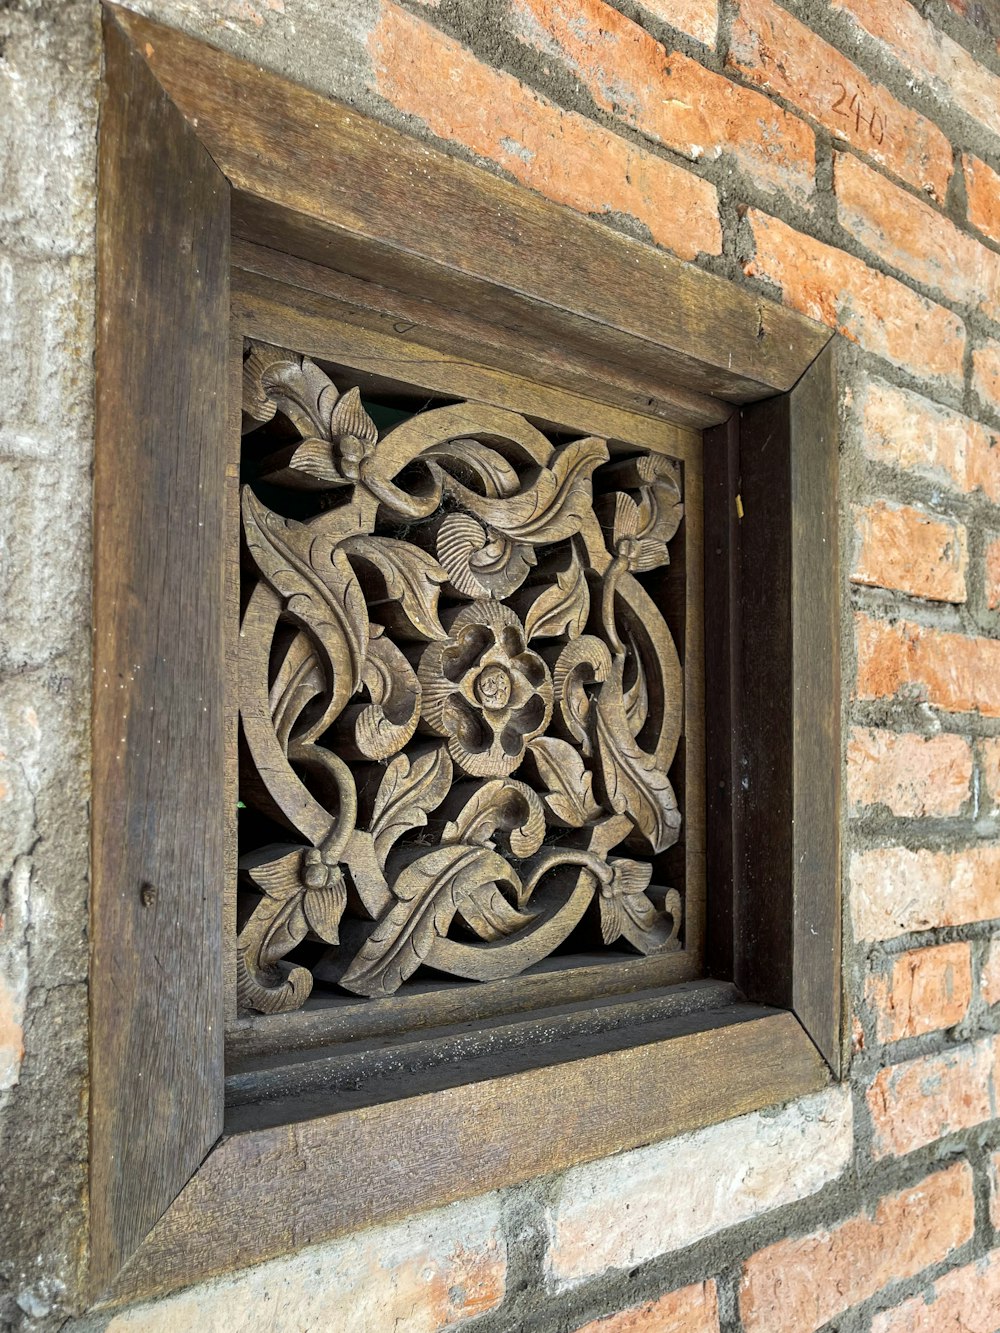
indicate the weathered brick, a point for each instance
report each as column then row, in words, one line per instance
column 910, row 432
column 913, row 776
column 966, row 1300
column 894, row 890
column 982, row 188
column 698, row 18
column 990, row 758
column 989, row 975
column 669, row 97
column 915, row 238
column 693, row 1309
column 778, row 52
column 558, row 153
column 995, row 1189
column 933, row 59
column 926, row 990
column 11, row 1032
column 951, row 671
column 798, row 1285
column 914, row 1103
column 991, row 574
column 909, row 550
column 631, row 1208
column 868, row 307
column 986, row 374
column 426, row 1275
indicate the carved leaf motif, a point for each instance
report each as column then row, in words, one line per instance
column 274, row 378
column 350, row 418
column 276, row 925
column 411, row 577
column 642, row 528
column 429, row 892
column 279, row 916
column 583, row 661
column 569, row 797
column 634, row 783
column 323, row 909
column 491, row 916
column 478, row 566
column 327, row 599
column 495, row 474
column 387, row 723
column 562, row 608
column 308, row 466
column 637, row 697
column 500, row 804
column 405, row 796
column 625, row 896
column 551, row 509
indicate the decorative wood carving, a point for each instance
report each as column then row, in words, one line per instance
column 455, row 695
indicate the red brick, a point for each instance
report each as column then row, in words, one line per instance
column 910, row 551
column 798, row 1285
column 868, row 307
column 558, row 153
column 11, row 1032
column 934, row 60
column 693, row 1309
column 913, row 776
column 915, row 1103
column 668, row 97
column 990, row 756
column 778, row 52
column 989, row 974
column 992, row 574
column 986, row 374
column 914, row 237
column 914, row 434
column 698, row 18
column 982, row 188
column 894, row 890
column 950, row 671
column 926, row 990
column 966, row 1300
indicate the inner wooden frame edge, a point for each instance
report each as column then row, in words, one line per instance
column 322, row 327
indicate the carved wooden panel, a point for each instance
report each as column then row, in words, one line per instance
column 459, row 704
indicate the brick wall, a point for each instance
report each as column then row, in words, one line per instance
column 841, row 156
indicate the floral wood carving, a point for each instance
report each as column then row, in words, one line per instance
column 456, row 697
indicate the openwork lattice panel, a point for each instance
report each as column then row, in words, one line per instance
column 459, row 702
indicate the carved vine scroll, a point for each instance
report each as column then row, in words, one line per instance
column 456, row 698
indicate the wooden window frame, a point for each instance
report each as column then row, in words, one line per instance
column 206, row 161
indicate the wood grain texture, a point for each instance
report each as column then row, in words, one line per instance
column 380, row 205
column 816, row 596
column 331, row 329
column 247, row 1202
column 450, row 333
column 787, row 668
column 156, row 976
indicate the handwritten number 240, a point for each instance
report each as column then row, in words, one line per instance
column 875, row 122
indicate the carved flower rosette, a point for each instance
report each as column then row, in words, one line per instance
column 457, row 701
